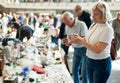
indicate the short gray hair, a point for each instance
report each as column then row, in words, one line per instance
column 68, row 15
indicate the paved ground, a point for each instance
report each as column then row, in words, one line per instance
column 115, row 74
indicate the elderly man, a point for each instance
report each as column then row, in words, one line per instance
column 78, row 27
column 83, row 15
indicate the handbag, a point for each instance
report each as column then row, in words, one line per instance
column 113, row 51
column 1, row 66
column 1, row 61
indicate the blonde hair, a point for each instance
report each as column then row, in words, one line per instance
column 103, row 8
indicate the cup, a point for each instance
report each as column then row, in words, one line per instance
column 25, row 71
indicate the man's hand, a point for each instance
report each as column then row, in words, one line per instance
column 66, row 41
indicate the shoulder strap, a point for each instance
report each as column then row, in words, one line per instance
column 92, row 25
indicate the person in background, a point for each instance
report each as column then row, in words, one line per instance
column 26, row 19
column 21, row 18
column 1, row 23
column 14, row 18
column 116, row 27
column 32, row 20
column 78, row 27
column 56, row 25
column 46, row 33
column 4, row 22
column 98, row 43
column 22, row 31
column 83, row 15
column 62, row 34
column 9, row 17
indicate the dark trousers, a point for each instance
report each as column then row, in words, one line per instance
column 54, row 40
column 65, row 48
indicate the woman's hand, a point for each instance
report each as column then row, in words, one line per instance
column 75, row 38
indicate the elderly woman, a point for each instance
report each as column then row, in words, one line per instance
column 98, row 43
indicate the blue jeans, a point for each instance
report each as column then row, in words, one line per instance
column 84, row 70
column 54, row 40
column 98, row 70
column 79, row 53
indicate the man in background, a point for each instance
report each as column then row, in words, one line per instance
column 83, row 15
column 22, row 31
column 116, row 27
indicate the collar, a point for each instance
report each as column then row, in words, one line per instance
column 75, row 23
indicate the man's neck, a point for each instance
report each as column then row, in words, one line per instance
column 73, row 24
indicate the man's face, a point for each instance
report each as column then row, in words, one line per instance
column 67, row 22
column 78, row 11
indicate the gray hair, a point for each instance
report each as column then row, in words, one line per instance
column 68, row 15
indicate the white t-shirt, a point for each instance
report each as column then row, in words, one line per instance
column 100, row 33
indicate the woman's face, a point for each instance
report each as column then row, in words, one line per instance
column 97, row 16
